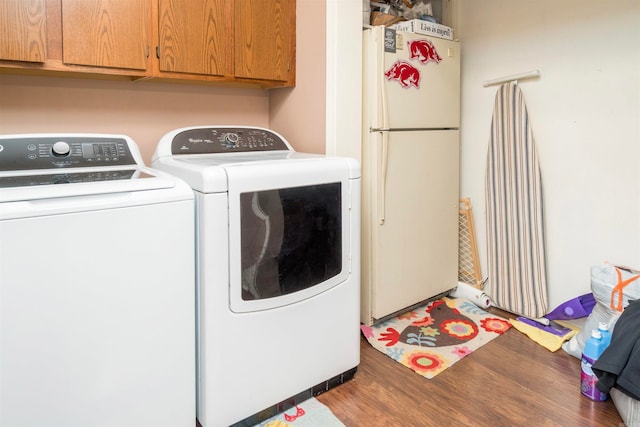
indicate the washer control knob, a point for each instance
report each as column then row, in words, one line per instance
column 232, row 139
column 60, row 149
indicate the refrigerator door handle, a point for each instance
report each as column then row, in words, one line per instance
column 383, row 98
column 376, row 65
column 383, row 94
column 382, row 177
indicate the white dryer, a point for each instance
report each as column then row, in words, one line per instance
column 96, row 286
column 278, row 255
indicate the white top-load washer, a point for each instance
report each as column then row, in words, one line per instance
column 278, row 269
column 96, row 286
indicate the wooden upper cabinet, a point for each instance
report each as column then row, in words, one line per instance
column 23, row 30
column 195, row 36
column 105, row 33
column 265, row 39
column 248, row 43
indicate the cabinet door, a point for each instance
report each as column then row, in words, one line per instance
column 196, row 36
column 22, row 30
column 264, row 39
column 105, row 33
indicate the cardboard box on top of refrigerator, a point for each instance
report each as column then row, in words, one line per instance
column 426, row 28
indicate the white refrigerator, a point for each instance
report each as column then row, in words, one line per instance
column 410, row 170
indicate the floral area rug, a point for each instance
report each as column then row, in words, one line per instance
column 310, row 413
column 432, row 337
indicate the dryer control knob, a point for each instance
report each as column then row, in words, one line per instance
column 61, row 149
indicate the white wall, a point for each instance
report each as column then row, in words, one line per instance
column 344, row 77
column 585, row 116
column 299, row 113
column 143, row 110
column 323, row 113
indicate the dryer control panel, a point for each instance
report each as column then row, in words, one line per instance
column 216, row 140
column 53, row 152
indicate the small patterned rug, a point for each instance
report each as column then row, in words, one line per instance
column 434, row 336
column 310, row 413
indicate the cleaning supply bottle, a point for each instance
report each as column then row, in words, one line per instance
column 603, row 327
column 593, row 348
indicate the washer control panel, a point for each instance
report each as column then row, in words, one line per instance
column 53, row 152
column 215, row 140
column 70, row 178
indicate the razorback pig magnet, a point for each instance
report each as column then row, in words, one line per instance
column 406, row 74
column 423, row 51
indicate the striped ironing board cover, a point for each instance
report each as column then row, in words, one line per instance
column 513, row 187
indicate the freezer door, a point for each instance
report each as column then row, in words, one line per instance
column 410, row 250
column 416, row 86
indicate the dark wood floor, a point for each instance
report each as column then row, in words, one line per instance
column 511, row 381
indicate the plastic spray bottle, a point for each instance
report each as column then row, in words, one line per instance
column 603, row 327
column 593, row 348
